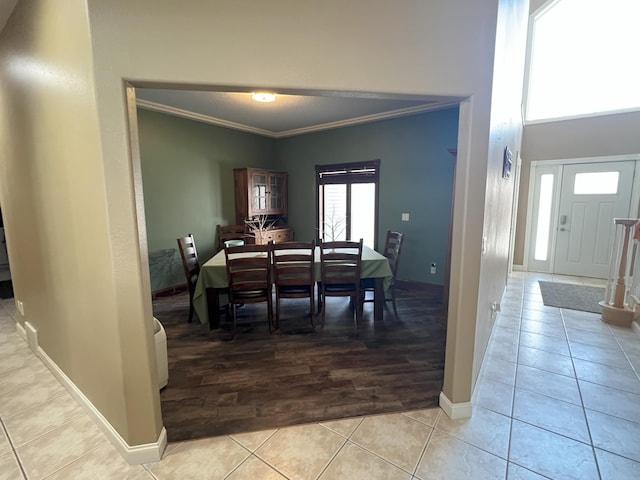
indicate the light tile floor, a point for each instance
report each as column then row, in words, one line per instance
column 558, row 397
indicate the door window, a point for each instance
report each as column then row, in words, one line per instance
column 596, row 183
column 543, row 223
column 348, row 201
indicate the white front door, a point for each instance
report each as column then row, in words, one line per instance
column 591, row 196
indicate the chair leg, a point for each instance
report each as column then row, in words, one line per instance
column 312, row 311
column 358, row 307
column 322, row 309
column 190, row 312
column 227, row 314
column 270, row 312
column 191, row 309
column 393, row 301
column 232, row 310
column 277, row 311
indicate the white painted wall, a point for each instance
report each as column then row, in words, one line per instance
column 506, row 131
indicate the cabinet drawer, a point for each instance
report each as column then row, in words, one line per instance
column 277, row 235
column 284, row 235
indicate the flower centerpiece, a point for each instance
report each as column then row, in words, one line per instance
column 258, row 226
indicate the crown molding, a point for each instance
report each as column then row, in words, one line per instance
column 158, row 107
column 178, row 112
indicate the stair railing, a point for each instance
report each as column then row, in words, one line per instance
column 622, row 295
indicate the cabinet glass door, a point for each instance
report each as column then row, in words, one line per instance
column 275, row 192
column 259, row 191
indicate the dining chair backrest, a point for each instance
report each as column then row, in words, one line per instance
column 340, row 263
column 249, row 275
column 392, row 249
column 294, row 273
column 248, row 267
column 293, row 265
column 190, row 265
column 230, row 232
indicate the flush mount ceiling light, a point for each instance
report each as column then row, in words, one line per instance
column 264, row 97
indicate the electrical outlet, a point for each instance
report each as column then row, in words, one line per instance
column 405, row 217
column 20, row 307
column 433, row 268
column 495, row 309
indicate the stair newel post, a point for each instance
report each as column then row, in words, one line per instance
column 618, row 300
column 624, row 308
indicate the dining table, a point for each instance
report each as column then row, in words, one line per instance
column 212, row 285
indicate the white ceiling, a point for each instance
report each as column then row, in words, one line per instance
column 292, row 113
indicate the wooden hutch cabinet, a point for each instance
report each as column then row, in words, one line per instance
column 262, row 192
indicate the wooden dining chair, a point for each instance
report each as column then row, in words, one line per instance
column 230, row 232
column 293, row 272
column 191, row 266
column 249, row 274
column 340, row 264
column 392, row 249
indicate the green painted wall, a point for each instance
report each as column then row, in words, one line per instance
column 187, row 174
column 187, row 171
column 416, row 177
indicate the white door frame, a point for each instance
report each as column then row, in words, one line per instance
column 634, row 205
column 514, row 212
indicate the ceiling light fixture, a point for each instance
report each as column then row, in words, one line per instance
column 264, row 97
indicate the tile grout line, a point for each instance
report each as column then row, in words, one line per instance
column 386, row 460
column 414, row 475
column 13, row 449
column 230, row 436
column 252, row 454
column 466, row 442
column 324, row 469
column 624, row 352
column 513, row 396
column 70, row 462
column 6, row 432
column 245, row 460
column 584, row 410
column 582, row 405
column 149, row 472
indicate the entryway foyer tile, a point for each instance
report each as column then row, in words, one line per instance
column 395, row 437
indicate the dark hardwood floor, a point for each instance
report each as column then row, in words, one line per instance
column 222, row 382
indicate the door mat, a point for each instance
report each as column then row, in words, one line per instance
column 571, row 296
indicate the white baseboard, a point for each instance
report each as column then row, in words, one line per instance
column 518, row 268
column 134, row 455
column 454, row 411
column 21, row 331
column 31, row 337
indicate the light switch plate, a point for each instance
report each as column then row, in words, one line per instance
column 405, row 217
